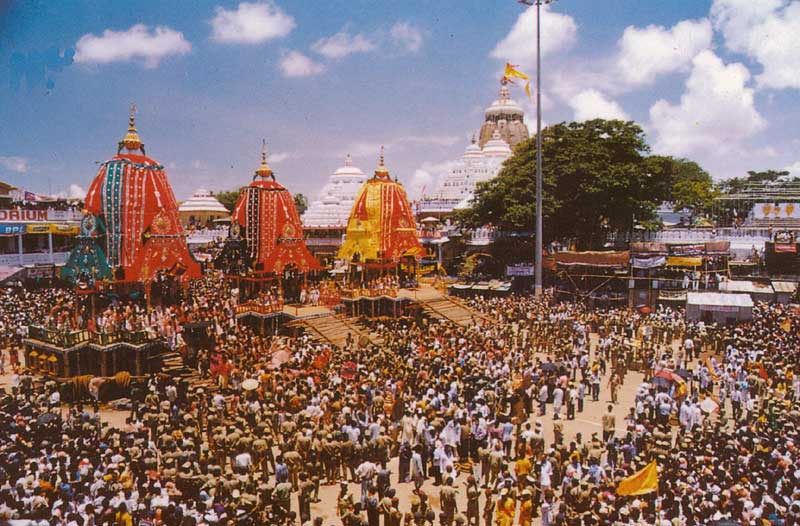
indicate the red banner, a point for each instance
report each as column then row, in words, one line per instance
column 784, row 248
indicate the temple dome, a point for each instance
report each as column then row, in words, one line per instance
column 332, row 206
column 497, row 147
column 507, row 117
column 203, row 201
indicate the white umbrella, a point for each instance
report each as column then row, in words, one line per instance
column 708, row 405
column 251, row 384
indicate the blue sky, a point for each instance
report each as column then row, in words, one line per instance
column 712, row 80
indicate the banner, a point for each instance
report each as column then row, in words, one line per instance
column 12, row 229
column 694, row 249
column 786, row 248
column 674, row 261
column 55, row 228
column 23, row 215
column 38, row 229
column 652, row 262
column 776, row 211
column 519, row 270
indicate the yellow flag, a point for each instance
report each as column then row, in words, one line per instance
column 640, row 483
column 787, row 325
column 512, row 73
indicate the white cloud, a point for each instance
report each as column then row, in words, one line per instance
column 342, row 44
column 74, row 191
column 408, row 37
column 519, row 46
column 426, row 178
column 794, row 169
column 591, row 104
column 279, row 157
column 14, row 164
column 767, row 31
column 645, row 53
column 251, row 23
column 296, row 64
column 138, row 42
column 715, row 113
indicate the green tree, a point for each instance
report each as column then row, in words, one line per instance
column 766, row 176
column 228, row 198
column 595, row 178
column 682, row 182
column 301, row 203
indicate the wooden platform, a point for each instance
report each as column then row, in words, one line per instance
column 333, row 329
column 443, row 307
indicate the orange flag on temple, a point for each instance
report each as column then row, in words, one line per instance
column 640, row 483
column 512, row 73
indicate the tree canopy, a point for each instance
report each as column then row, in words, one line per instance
column 301, row 203
column 228, row 198
column 597, row 176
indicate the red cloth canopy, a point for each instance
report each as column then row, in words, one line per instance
column 272, row 230
column 133, row 197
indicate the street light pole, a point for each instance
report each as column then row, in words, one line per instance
column 538, row 255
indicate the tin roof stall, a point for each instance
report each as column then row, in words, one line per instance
column 717, row 307
column 757, row 291
column 784, row 291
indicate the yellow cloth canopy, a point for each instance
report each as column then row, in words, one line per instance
column 642, row 482
column 684, row 261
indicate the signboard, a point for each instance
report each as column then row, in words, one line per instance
column 790, row 248
column 776, row 210
column 520, row 270
column 22, row 215
column 719, row 308
column 55, row 228
column 38, row 229
column 7, row 229
column 694, row 249
column 44, row 272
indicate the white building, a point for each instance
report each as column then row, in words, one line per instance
column 325, row 221
column 456, row 188
column 502, row 129
column 202, row 209
column 332, row 206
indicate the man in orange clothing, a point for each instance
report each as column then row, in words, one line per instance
column 522, row 467
column 525, row 508
column 506, row 508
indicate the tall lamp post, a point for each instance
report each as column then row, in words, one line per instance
column 538, row 255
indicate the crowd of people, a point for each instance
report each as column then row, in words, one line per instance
column 515, row 421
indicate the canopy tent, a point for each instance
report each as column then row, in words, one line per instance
column 132, row 198
column 718, row 307
column 381, row 225
column 266, row 215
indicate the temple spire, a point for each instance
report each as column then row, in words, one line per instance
column 381, row 169
column 131, row 141
column 264, row 170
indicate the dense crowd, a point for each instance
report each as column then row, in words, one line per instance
column 436, row 424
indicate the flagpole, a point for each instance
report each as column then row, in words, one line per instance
column 538, row 240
